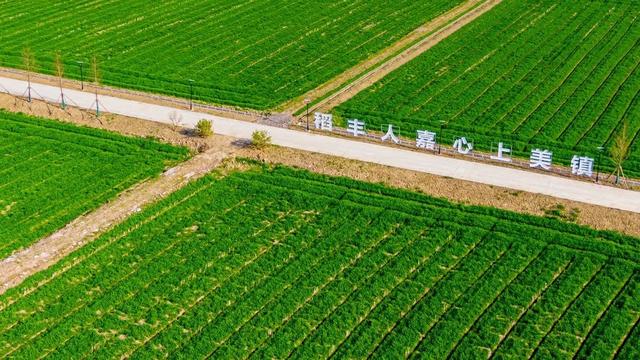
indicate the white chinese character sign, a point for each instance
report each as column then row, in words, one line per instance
column 390, row 135
column 323, row 121
column 541, row 159
column 504, row 153
column 356, row 127
column 426, row 140
column 582, row 165
column 463, row 146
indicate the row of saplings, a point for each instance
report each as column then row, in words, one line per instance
column 259, row 139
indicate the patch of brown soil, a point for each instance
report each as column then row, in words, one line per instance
column 452, row 189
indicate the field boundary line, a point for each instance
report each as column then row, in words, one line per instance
column 454, row 266
column 538, row 257
column 49, row 250
column 337, row 275
column 238, row 113
column 454, row 20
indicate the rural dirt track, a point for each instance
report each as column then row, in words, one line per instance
column 464, row 16
column 49, row 250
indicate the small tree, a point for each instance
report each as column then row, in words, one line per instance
column 29, row 62
column 204, row 128
column 260, row 139
column 619, row 151
column 59, row 67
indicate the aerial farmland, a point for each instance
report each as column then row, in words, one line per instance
column 215, row 179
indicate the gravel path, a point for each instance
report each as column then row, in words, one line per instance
column 412, row 160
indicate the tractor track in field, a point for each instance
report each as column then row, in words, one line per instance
column 49, row 250
column 385, row 62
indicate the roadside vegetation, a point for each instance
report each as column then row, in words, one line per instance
column 260, row 140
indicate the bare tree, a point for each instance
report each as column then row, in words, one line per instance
column 59, row 67
column 29, row 63
column 176, row 120
column 620, row 150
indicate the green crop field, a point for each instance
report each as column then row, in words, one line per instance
column 252, row 54
column 51, row 172
column 558, row 75
column 277, row 263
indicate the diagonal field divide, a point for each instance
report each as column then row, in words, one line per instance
column 49, row 250
column 391, row 58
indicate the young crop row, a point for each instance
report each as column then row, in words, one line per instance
column 275, row 262
column 53, row 172
column 525, row 74
column 255, row 54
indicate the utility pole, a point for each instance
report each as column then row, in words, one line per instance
column 191, row 94
column 306, row 102
column 442, row 124
column 600, row 151
column 81, row 74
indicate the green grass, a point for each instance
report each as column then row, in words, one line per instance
column 271, row 263
column 51, row 172
column 561, row 75
column 255, row 54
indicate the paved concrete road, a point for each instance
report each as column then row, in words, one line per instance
column 438, row 165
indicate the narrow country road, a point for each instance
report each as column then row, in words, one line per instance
column 412, row 160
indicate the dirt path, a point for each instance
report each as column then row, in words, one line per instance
column 384, row 62
column 439, row 29
column 49, row 250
